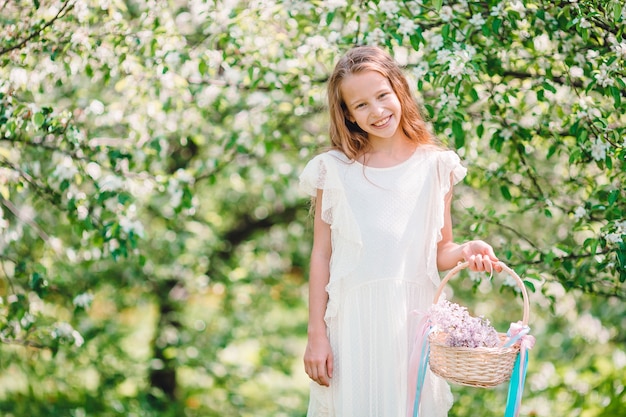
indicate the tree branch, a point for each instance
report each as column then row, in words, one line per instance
column 60, row 14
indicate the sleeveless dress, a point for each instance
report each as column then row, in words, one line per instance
column 385, row 225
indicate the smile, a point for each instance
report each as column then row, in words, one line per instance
column 382, row 122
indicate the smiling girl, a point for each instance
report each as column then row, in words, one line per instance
column 382, row 231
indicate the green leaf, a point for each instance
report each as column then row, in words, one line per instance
column 505, row 192
column 202, row 67
column 38, row 284
column 617, row 96
column 430, row 110
column 613, row 196
column 617, row 11
column 474, row 94
column 437, row 4
column 329, row 18
column 540, row 95
column 38, row 119
column 445, row 32
column 529, row 285
column 459, row 136
column 495, row 25
column 549, row 87
column 480, row 130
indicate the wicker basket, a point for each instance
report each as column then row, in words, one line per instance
column 475, row 367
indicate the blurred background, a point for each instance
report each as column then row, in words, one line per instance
column 154, row 242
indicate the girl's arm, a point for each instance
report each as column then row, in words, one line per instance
column 479, row 254
column 318, row 357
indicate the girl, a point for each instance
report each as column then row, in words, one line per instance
column 382, row 231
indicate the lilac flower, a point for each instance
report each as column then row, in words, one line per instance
column 461, row 328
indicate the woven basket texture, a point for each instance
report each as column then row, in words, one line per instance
column 480, row 367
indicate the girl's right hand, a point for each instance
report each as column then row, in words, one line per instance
column 318, row 359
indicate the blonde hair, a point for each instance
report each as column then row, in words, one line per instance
column 345, row 135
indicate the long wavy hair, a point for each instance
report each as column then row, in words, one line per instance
column 347, row 136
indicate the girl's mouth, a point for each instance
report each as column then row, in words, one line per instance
column 382, row 122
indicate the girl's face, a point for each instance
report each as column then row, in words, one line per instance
column 372, row 104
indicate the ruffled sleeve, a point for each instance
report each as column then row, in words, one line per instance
column 450, row 171
column 322, row 173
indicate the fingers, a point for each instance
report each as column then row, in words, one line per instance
column 481, row 257
column 485, row 263
column 330, row 365
column 320, row 371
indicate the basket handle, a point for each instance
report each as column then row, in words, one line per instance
column 506, row 269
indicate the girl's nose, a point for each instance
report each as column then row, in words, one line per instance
column 378, row 110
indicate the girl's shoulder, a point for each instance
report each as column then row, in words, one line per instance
column 332, row 156
column 436, row 151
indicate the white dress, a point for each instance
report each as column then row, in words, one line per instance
column 385, row 224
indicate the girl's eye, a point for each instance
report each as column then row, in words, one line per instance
column 360, row 105
column 383, row 95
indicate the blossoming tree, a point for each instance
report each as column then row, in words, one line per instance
column 153, row 241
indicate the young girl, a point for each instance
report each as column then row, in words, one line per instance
column 382, row 231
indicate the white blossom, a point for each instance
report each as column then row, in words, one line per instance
column 184, row 176
column 421, row 70
column 448, row 101
column 415, row 7
column 132, row 226
column 496, row 11
column 523, row 29
column 83, row 300
column 376, row 37
column 598, row 149
column 603, row 76
column 66, row 333
column 518, row 6
column 477, row 20
column 407, row 26
column 576, row 72
column 390, row 8
column 82, row 212
column 96, row 107
column 579, row 213
column 65, row 170
column 620, row 49
column 94, row 170
column 542, row 43
column 80, row 37
column 19, row 77
column 436, row 42
column 111, row 183
column 584, row 23
column 613, row 237
column 506, row 133
column 446, row 13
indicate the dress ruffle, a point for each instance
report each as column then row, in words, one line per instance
column 321, row 173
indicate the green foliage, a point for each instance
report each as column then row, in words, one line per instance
column 153, row 242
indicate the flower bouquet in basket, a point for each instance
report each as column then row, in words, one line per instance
column 468, row 350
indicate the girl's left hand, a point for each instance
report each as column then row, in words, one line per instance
column 480, row 256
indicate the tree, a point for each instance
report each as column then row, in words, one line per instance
column 154, row 244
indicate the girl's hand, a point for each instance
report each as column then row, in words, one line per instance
column 480, row 256
column 318, row 359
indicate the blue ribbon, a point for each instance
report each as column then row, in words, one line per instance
column 516, row 385
column 421, row 374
